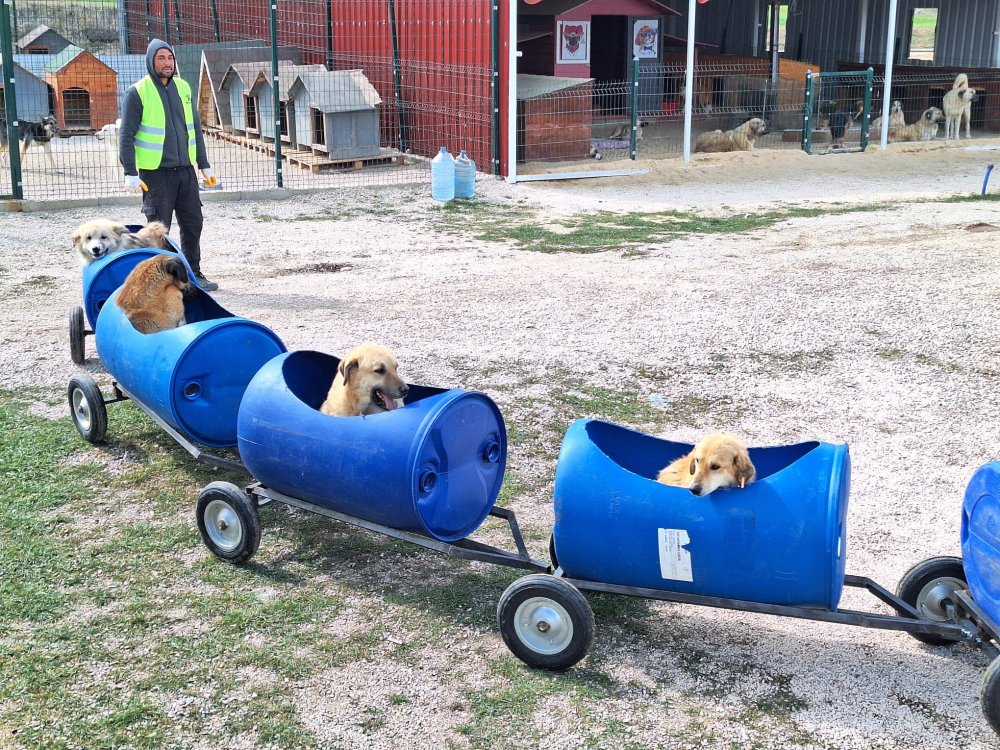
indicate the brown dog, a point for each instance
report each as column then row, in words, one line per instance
column 924, row 129
column 738, row 139
column 718, row 460
column 152, row 296
column 367, row 382
column 95, row 239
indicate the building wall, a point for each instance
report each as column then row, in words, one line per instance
column 32, row 95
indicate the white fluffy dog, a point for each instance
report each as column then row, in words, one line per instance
column 108, row 135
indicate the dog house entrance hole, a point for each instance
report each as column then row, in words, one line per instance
column 76, row 108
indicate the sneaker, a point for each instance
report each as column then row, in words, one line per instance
column 205, row 284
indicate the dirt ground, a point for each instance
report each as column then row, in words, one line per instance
column 874, row 328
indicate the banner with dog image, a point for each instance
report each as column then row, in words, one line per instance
column 573, row 42
column 646, row 39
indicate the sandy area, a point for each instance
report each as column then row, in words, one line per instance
column 878, row 329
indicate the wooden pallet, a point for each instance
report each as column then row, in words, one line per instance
column 317, row 163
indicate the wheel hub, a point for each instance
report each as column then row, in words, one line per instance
column 543, row 625
column 223, row 525
column 81, row 409
column 932, row 600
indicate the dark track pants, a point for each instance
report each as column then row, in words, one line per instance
column 175, row 190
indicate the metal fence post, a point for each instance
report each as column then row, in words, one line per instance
column 807, row 118
column 866, row 111
column 397, row 75
column 166, row 23
column 634, row 113
column 495, row 85
column 10, row 98
column 276, row 95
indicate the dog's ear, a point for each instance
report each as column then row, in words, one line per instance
column 177, row 271
column 347, row 368
column 745, row 470
column 692, row 467
column 77, row 236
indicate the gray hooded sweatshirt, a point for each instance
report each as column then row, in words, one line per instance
column 175, row 148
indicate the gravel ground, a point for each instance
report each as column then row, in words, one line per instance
column 873, row 328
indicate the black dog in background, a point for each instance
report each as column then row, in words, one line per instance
column 31, row 132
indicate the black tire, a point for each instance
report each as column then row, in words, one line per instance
column 989, row 694
column 546, row 622
column 552, row 552
column 77, row 351
column 927, row 587
column 229, row 522
column 87, row 407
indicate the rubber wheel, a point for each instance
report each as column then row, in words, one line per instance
column 229, row 522
column 87, row 407
column 927, row 587
column 546, row 622
column 77, row 351
column 989, row 694
column 552, row 552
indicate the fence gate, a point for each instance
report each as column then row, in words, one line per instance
column 837, row 111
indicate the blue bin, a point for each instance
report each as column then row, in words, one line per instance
column 193, row 377
column 781, row 540
column 981, row 538
column 102, row 277
column 433, row 466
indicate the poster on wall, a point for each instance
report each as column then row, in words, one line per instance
column 573, row 42
column 646, row 40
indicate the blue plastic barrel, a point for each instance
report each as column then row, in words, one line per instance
column 193, row 377
column 102, row 277
column 433, row 466
column 443, row 176
column 981, row 538
column 781, row 540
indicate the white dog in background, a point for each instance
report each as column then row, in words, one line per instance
column 957, row 106
column 108, row 135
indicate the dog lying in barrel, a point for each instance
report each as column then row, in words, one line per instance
column 738, row 139
column 95, row 239
column 153, row 294
column 924, row 129
column 717, row 460
column 367, row 382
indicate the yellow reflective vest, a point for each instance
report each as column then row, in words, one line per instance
column 153, row 128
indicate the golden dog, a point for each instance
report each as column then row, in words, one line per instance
column 737, row 139
column 97, row 238
column 367, row 382
column 924, row 129
column 957, row 106
column 718, row 460
column 152, row 296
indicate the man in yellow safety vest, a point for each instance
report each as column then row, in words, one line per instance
column 159, row 144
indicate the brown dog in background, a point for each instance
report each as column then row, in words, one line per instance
column 95, row 239
column 367, row 382
column 717, row 460
column 924, row 129
column 152, row 296
column 738, row 139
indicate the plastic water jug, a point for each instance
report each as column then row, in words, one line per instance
column 443, row 176
column 465, row 176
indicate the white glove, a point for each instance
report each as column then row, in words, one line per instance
column 210, row 178
column 133, row 184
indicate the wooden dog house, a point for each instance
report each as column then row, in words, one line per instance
column 86, row 90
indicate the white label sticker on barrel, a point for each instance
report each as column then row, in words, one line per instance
column 675, row 561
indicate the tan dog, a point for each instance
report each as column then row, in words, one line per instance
column 897, row 120
column 367, row 382
column 718, row 460
column 924, row 129
column 152, row 296
column 738, row 139
column 957, row 106
column 97, row 238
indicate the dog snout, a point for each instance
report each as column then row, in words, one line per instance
column 403, row 390
column 696, row 489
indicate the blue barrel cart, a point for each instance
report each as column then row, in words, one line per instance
column 100, row 279
column 428, row 472
column 776, row 547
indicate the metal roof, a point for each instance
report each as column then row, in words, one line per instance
column 337, row 90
